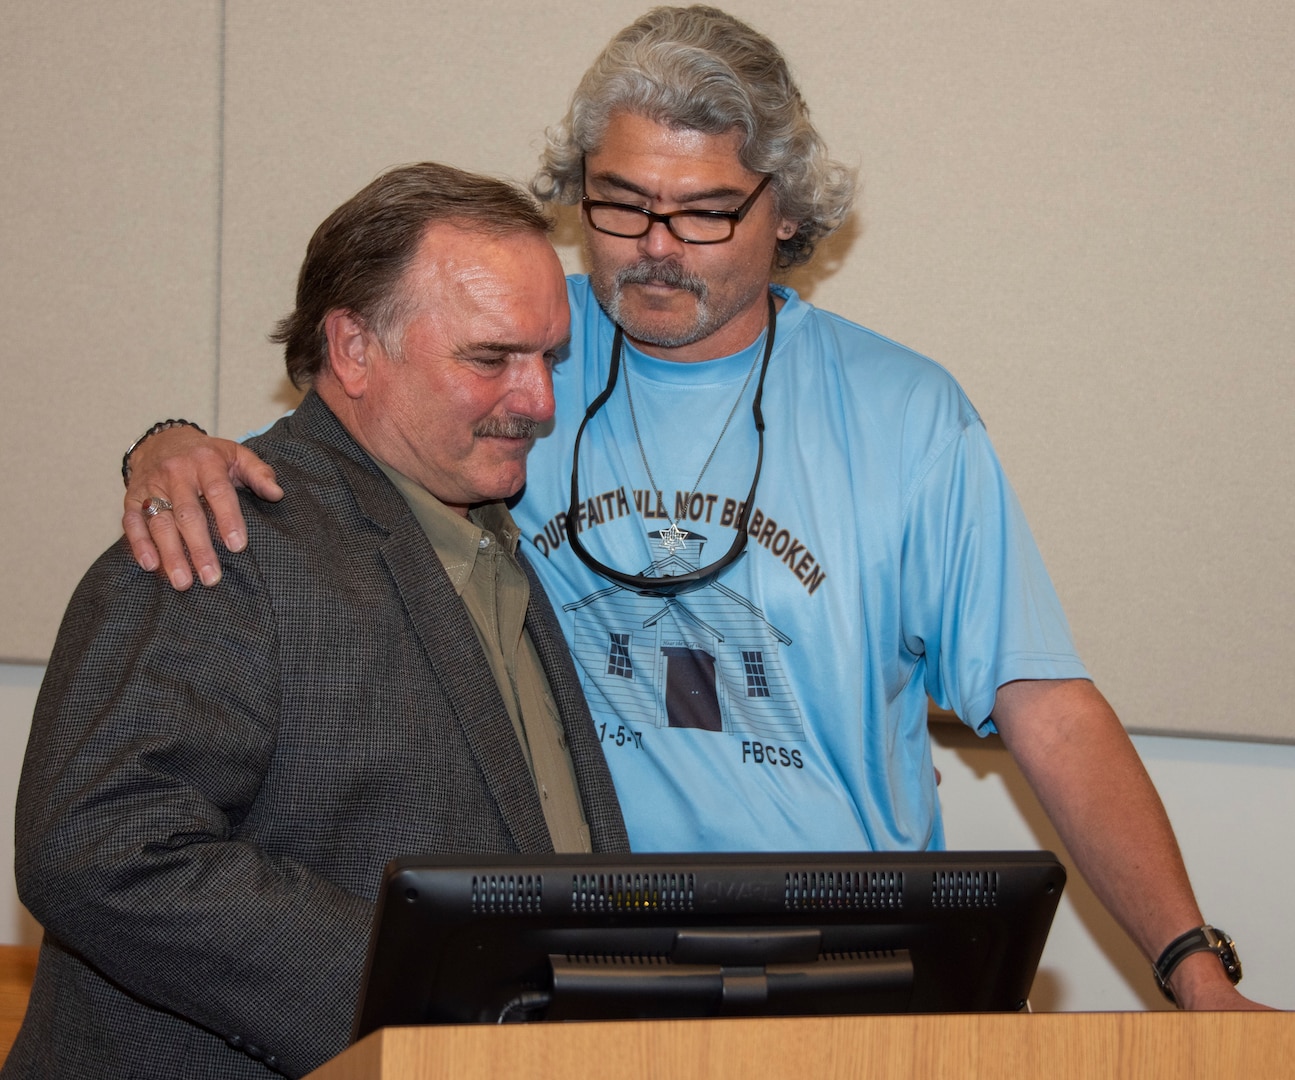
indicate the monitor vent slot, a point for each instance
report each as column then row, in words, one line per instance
column 860, row 954
column 632, row 892
column 593, row 960
column 844, row 891
column 964, row 889
column 507, row 894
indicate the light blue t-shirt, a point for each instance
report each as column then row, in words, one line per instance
column 784, row 705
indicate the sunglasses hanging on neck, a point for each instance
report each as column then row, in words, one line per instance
column 668, row 584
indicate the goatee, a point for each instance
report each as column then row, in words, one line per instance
column 646, row 272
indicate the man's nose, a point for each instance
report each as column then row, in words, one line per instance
column 659, row 242
column 532, row 392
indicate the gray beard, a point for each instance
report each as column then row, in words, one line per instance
column 651, row 273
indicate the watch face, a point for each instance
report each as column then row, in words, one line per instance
column 1226, row 949
column 1231, row 962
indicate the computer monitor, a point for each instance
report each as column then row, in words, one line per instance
column 493, row 939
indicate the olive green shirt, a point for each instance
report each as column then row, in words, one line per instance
column 479, row 555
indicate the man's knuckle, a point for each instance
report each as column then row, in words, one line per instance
column 219, row 487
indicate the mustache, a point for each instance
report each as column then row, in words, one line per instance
column 507, row 427
column 645, row 272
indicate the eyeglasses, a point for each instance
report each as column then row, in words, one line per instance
column 669, row 584
column 689, row 226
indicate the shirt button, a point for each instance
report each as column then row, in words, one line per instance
column 483, row 543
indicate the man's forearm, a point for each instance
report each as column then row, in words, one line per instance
column 1083, row 768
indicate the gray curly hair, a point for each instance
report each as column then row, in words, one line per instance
column 700, row 68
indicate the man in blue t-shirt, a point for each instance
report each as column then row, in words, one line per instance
column 769, row 533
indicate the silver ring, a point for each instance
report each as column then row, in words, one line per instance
column 155, row 505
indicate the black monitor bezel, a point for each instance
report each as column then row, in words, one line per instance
column 972, row 925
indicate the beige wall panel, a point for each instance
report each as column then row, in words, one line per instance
column 1084, row 211
column 323, row 97
column 108, row 183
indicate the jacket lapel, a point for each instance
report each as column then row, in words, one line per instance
column 452, row 648
column 444, row 630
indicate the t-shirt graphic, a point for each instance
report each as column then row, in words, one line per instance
column 707, row 659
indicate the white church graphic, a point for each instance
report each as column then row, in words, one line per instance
column 707, row 659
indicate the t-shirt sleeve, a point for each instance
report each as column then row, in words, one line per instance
column 977, row 601
column 264, row 427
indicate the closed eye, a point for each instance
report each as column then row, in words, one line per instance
column 487, row 361
column 559, row 353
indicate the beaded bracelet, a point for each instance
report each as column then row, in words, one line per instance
column 161, row 425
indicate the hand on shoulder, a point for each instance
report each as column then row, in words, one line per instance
column 182, row 468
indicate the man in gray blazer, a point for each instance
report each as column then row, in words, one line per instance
column 216, row 778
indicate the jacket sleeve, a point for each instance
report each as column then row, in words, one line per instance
column 153, row 733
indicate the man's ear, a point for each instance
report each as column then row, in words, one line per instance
column 787, row 229
column 351, row 351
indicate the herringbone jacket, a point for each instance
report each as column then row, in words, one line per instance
column 216, row 778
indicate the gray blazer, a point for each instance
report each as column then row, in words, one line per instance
column 215, row 779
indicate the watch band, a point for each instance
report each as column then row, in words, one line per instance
column 1200, row 939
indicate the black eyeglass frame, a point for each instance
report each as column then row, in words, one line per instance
column 671, row 584
column 651, row 217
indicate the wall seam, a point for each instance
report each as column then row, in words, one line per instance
column 220, row 214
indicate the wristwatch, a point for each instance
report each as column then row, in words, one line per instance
column 1202, row 939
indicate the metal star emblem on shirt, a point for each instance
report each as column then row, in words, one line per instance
column 673, row 538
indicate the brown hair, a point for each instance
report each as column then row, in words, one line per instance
column 357, row 259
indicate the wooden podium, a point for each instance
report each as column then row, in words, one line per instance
column 1055, row 1046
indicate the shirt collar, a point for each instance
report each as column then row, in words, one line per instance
column 456, row 540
